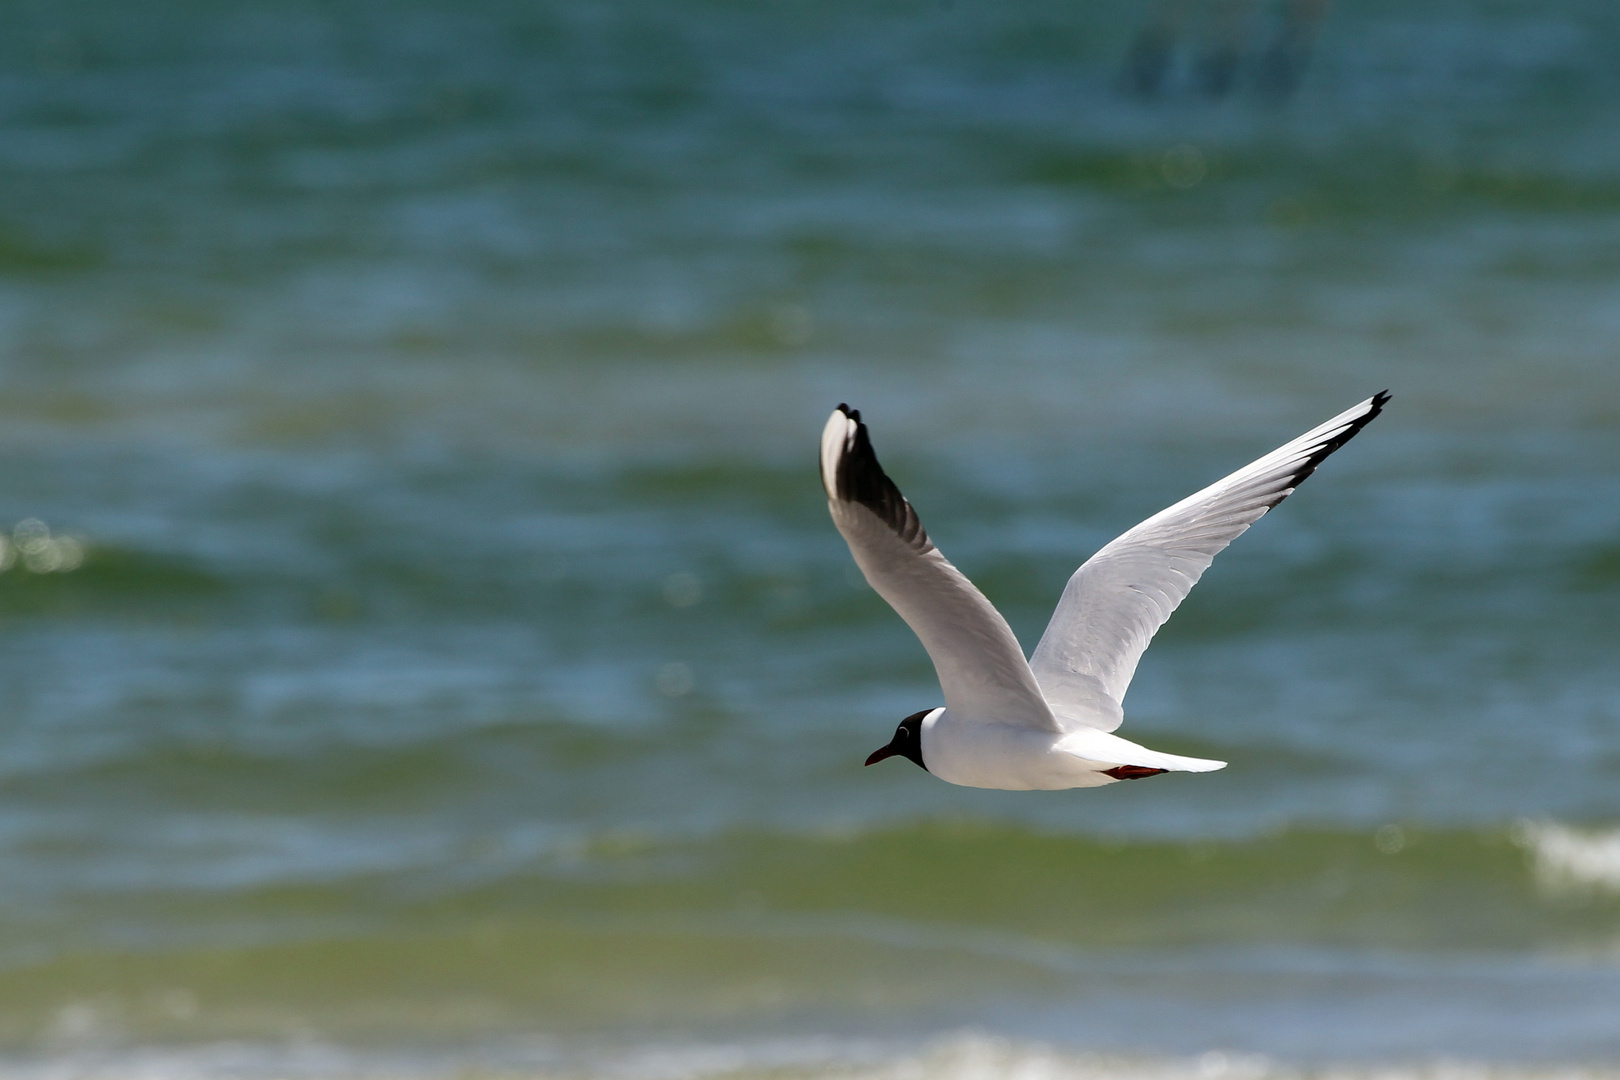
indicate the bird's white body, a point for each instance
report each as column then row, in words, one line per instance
column 1047, row 723
column 1013, row 757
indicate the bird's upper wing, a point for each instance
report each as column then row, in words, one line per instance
column 1119, row 598
column 981, row 667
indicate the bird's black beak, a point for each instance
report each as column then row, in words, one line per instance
column 882, row 752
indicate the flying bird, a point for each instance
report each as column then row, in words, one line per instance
column 1047, row 723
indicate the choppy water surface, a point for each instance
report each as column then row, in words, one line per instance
column 423, row 648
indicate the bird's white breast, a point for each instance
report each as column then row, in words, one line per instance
column 1009, row 757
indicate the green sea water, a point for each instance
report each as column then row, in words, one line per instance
column 424, row 650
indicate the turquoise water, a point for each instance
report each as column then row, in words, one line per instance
column 424, row 650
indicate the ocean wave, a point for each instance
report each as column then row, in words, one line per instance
column 608, row 928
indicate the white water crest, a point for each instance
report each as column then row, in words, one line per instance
column 1566, row 859
column 963, row 1055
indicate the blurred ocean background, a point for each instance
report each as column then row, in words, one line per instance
column 424, row 650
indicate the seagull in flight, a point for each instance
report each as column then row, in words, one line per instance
column 1047, row 723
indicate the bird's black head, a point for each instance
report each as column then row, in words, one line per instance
column 907, row 741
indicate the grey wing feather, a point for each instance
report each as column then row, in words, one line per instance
column 981, row 667
column 1117, row 600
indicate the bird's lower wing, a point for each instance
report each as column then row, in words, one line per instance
column 1117, row 600
column 981, row 667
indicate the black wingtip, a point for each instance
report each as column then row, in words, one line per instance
column 860, row 479
column 1308, row 466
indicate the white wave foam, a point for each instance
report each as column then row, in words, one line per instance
column 959, row 1056
column 1566, row 859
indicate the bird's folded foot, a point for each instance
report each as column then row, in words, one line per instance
column 1132, row 772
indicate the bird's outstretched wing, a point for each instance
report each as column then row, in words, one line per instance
column 981, row 667
column 1117, row 600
